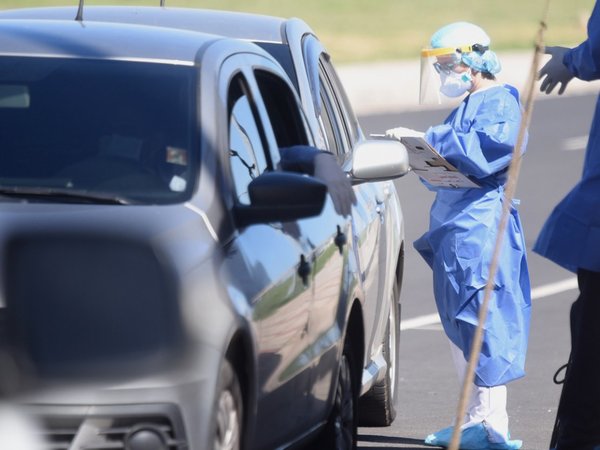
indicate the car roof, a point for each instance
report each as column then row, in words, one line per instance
column 61, row 38
column 236, row 25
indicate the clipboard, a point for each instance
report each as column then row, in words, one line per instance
column 432, row 167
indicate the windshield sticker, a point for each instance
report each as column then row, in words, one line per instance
column 177, row 156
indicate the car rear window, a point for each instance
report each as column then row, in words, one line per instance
column 97, row 128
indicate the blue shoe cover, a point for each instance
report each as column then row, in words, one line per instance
column 472, row 438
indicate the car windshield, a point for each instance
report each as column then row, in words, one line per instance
column 95, row 130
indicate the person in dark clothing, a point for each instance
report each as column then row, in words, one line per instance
column 571, row 238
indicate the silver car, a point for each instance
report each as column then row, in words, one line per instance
column 378, row 225
column 145, row 192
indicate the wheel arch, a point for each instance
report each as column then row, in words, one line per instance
column 400, row 269
column 355, row 335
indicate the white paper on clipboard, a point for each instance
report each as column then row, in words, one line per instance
column 427, row 163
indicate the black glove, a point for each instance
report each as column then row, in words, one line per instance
column 555, row 71
column 338, row 184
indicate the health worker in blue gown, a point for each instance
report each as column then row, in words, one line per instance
column 477, row 138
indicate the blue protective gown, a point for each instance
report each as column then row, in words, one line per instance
column 478, row 138
column 571, row 235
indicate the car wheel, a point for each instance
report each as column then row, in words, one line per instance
column 378, row 406
column 341, row 429
column 229, row 411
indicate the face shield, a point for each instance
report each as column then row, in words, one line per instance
column 436, row 65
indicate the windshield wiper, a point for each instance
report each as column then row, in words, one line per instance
column 54, row 192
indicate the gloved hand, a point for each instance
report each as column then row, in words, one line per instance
column 555, row 71
column 338, row 184
column 400, row 132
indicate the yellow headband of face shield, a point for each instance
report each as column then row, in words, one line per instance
column 427, row 52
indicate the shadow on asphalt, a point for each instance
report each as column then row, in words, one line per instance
column 390, row 442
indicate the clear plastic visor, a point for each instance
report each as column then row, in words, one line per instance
column 434, row 62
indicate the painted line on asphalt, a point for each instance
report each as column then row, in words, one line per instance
column 554, row 288
column 575, row 143
column 539, row 292
column 420, row 321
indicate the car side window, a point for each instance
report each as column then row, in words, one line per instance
column 329, row 117
column 349, row 119
column 287, row 122
column 246, row 144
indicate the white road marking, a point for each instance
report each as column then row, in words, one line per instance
column 554, row 288
column 419, row 321
column 575, row 143
column 539, row 292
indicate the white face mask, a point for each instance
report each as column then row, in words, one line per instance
column 455, row 84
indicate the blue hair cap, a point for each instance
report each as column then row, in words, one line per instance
column 482, row 62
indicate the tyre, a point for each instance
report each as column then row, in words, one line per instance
column 378, row 406
column 341, row 430
column 229, row 411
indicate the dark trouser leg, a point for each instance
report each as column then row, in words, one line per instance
column 580, row 403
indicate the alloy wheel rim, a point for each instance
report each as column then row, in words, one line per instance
column 228, row 430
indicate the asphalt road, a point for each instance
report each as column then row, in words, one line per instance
column 429, row 385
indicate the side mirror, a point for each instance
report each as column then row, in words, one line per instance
column 378, row 160
column 281, row 197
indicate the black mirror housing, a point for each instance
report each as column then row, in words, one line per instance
column 281, row 197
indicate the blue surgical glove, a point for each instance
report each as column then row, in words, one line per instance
column 555, row 71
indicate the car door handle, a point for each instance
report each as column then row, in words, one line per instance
column 304, row 270
column 340, row 239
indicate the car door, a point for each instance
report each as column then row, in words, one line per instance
column 325, row 239
column 379, row 215
column 340, row 133
column 265, row 267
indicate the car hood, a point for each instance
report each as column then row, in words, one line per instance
column 181, row 233
column 93, row 289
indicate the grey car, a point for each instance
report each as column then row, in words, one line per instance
column 377, row 221
column 166, row 282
